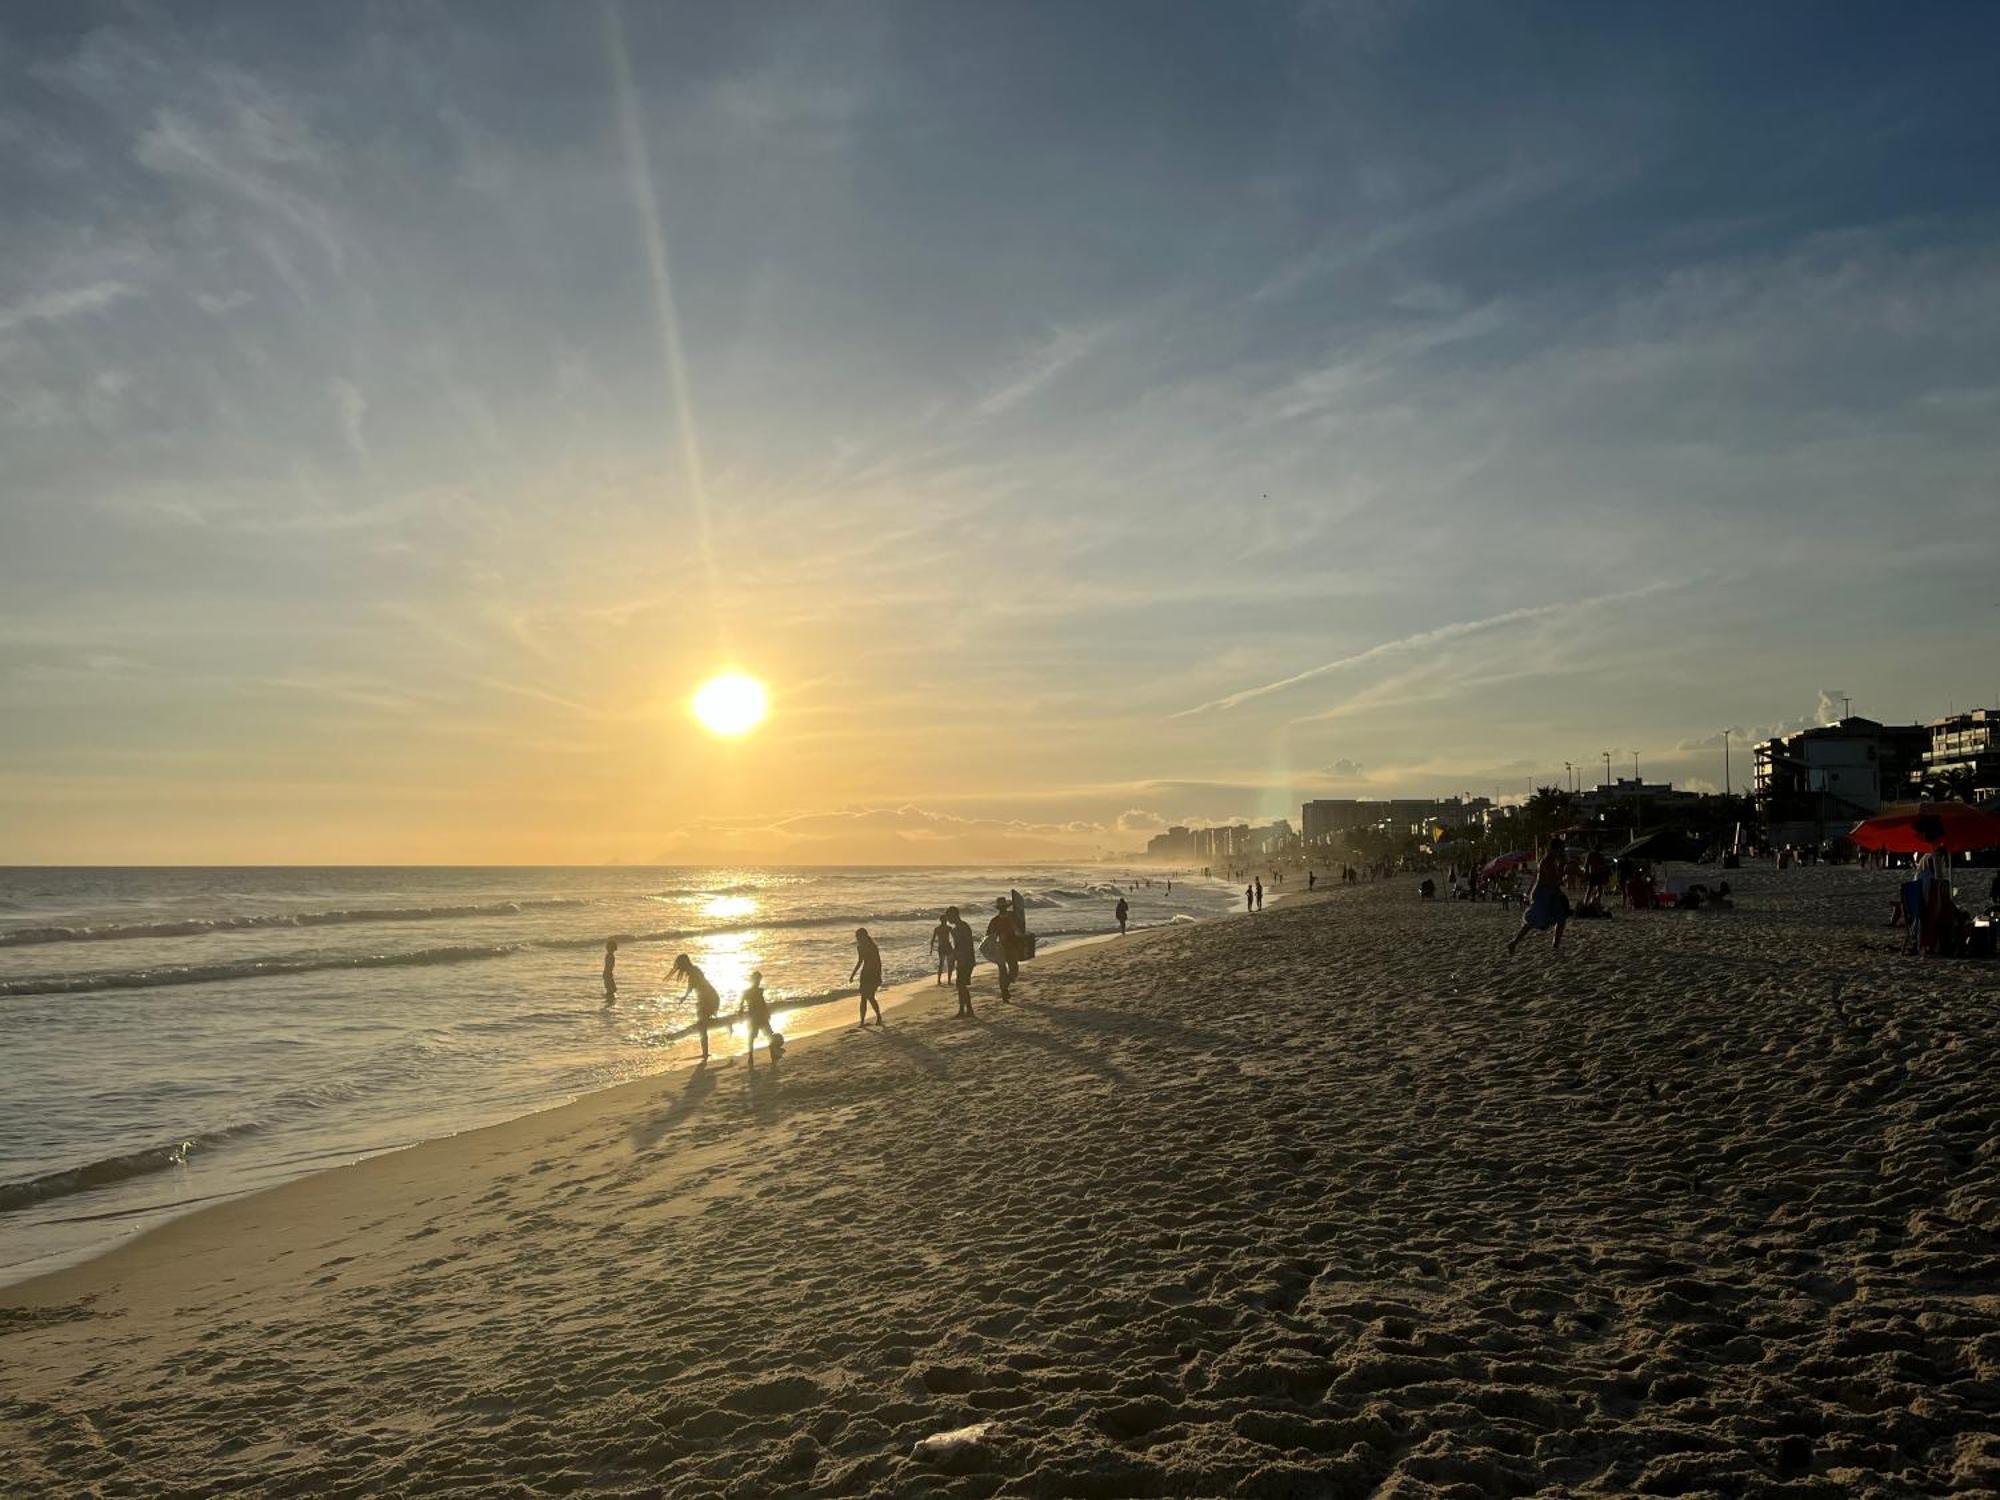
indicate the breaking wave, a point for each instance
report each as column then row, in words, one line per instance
column 110, row 1169
column 198, row 926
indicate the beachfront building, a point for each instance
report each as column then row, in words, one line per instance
column 1817, row 783
column 1963, row 757
column 1323, row 821
column 1630, row 801
column 1176, row 843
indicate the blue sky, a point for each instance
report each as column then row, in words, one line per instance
column 1082, row 415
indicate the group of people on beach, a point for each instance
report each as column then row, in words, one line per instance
column 957, row 948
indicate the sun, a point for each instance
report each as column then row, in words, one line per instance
column 730, row 705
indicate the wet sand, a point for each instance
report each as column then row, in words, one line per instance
column 1333, row 1200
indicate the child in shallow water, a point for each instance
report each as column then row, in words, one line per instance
column 757, row 1011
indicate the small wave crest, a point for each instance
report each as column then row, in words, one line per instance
column 111, row 1169
column 161, row 975
column 197, row 926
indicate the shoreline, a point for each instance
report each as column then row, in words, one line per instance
column 682, row 1055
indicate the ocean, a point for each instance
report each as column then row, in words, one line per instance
column 171, row 1037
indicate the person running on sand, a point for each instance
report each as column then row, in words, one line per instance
column 964, row 954
column 999, row 945
column 758, row 1011
column 1547, row 907
column 1122, row 912
column 707, row 1002
column 610, row 970
column 868, row 965
column 941, row 945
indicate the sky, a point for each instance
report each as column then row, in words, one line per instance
column 1082, row 417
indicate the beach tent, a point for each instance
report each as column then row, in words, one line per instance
column 1920, row 827
column 1667, row 844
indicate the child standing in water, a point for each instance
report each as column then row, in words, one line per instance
column 757, row 1010
column 867, row 964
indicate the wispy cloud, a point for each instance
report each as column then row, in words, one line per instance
column 1040, row 367
column 70, row 302
column 1421, row 641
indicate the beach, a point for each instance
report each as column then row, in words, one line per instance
column 1331, row 1200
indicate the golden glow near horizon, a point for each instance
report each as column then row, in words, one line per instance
column 730, row 705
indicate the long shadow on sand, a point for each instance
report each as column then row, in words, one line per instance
column 694, row 1093
column 1130, row 1023
column 922, row 1054
column 1082, row 1056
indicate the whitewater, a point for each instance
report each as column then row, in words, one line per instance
column 177, row 1036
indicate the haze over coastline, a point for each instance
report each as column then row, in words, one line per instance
column 406, row 409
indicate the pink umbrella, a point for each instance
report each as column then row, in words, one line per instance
column 1501, row 864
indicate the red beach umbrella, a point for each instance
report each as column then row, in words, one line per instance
column 1501, row 864
column 1920, row 827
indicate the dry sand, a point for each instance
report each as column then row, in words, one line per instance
column 1334, row 1200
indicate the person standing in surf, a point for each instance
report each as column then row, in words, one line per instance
column 1122, row 912
column 610, row 970
column 941, row 946
column 867, row 964
column 706, row 1002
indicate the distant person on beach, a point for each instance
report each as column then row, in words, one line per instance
column 706, row 1003
column 758, row 1010
column 610, row 970
column 1312, row 879
column 1596, row 876
column 1249, row 899
column 1547, row 907
column 1121, row 911
column 867, row 964
column 941, row 945
column 1260, row 895
column 999, row 946
column 964, row 954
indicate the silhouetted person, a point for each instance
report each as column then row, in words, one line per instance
column 1548, row 906
column 1121, row 911
column 964, row 954
column 706, row 1001
column 868, row 964
column 1249, row 899
column 758, row 1012
column 1000, row 941
column 610, row 970
column 941, row 945
column 1312, row 879
column 1260, row 895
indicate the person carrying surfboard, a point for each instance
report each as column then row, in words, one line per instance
column 999, row 945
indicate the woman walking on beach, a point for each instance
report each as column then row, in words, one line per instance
column 1547, row 905
column 706, row 1003
column 1123, row 913
column 868, row 964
